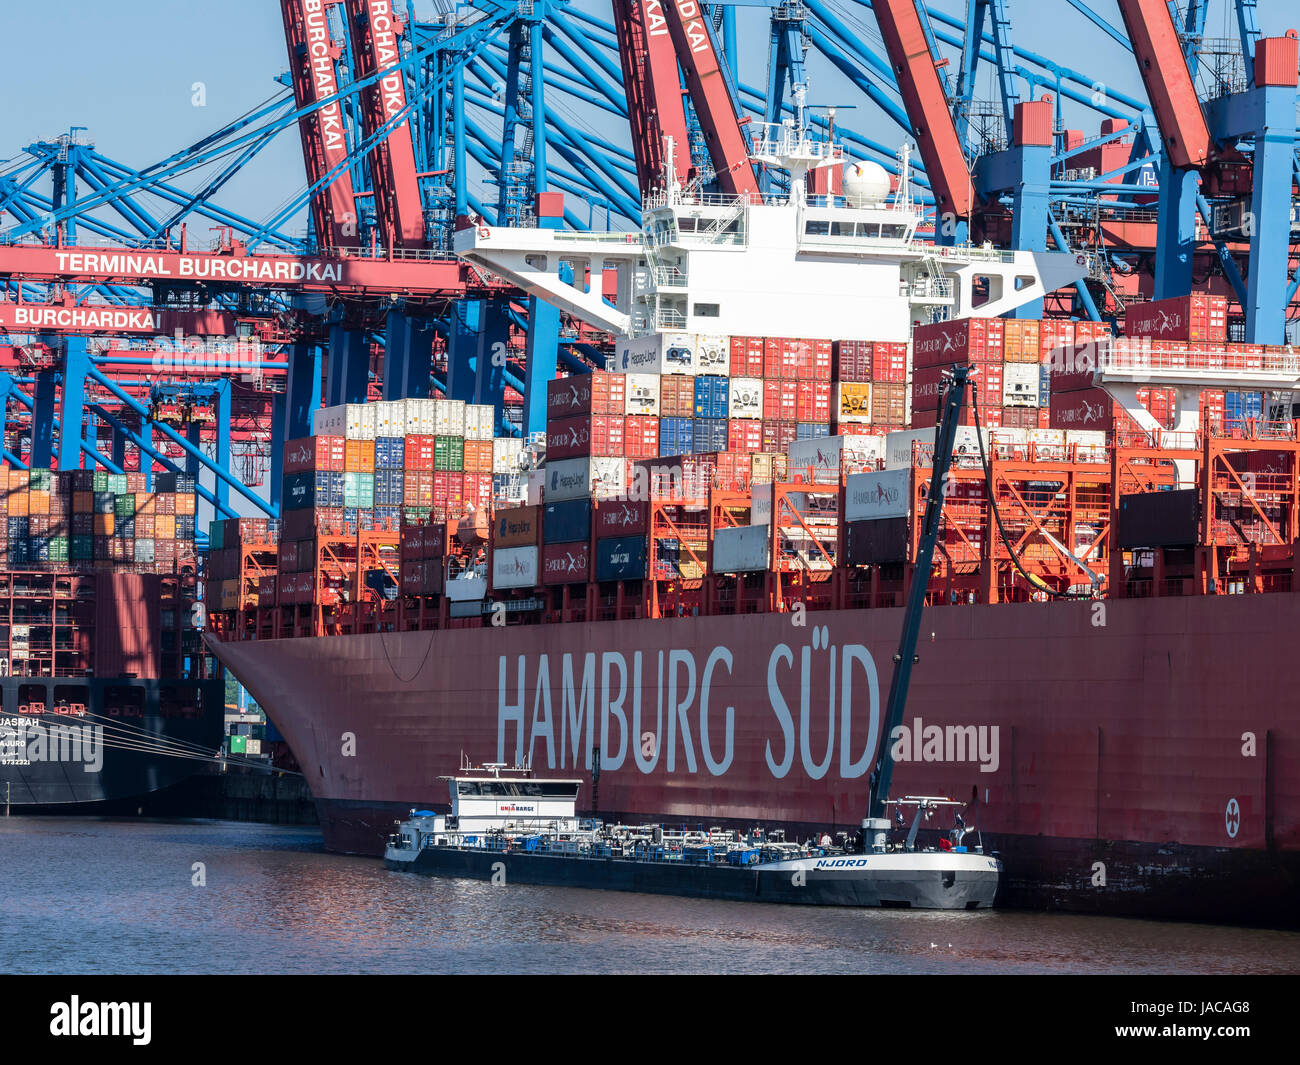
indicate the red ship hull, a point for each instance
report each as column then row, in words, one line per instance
column 1137, row 756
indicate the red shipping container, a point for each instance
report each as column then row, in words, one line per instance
column 477, row 490
column 288, row 556
column 779, row 434
column 1275, row 61
column 621, row 518
column 745, row 434
column 593, row 434
column 746, row 357
column 412, row 577
column 593, row 393
column 266, row 591
column 420, row 453
column 1196, row 318
column 448, row 489
column 889, row 362
column 330, row 453
column 1091, row 408
column 566, row 563
column 813, row 401
column 300, row 455
column 780, row 400
column 959, row 340
column 853, row 360
column 641, row 436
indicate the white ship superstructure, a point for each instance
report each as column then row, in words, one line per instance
column 787, row 264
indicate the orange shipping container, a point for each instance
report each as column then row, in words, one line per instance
column 38, row 502
column 164, row 527
column 184, row 503
column 145, row 503
column 103, row 524
column 478, row 456
column 359, row 456
column 18, row 504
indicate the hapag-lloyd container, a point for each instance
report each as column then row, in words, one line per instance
column 745, row 549
column 515, row 567
column 599, row 478
column 568, row 563
column 1198, row 317
column 591, row 434
column 877, row 494
column 659, row 353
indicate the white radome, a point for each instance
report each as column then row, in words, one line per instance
column 866, row 184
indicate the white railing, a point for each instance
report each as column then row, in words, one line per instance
column 1136, row 355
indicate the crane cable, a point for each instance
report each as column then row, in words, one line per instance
column 1034, row 581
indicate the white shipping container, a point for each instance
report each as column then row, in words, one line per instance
column 586, row 478
column 741, row 550
column 449, row 417
column 361, row 421
column 829, row 456
column 760, row 504
column 641, row 394
column 252, row 746
column 1051, row 436
column 880, row 494
column 514, row 567
column 661, row 353
column 480, row 420
column 390, row 417
column 505, row 454
column 713, row 355
column 746, row 398
column 330, row 421
column 1020, row 384
column 419, row 417
column 898, row 446
column 1009, row 443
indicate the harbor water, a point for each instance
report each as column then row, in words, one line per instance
column 114, row 896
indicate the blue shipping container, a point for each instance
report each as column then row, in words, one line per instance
column 676, row 436
column 566, row 523
column 620, row 558
column 389, row 487
column 811, row 430
column 1237, row 406
column 710, row 435
column 390, row 453
column 390, row 516
column 711, row 397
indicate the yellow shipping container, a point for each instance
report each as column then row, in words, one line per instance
column 230, row 595
column 853, row 401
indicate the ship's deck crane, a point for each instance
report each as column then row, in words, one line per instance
column 945, row 437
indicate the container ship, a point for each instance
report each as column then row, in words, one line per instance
column 689, row 594
column 108, row 694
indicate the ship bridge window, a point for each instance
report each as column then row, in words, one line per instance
column 817, row 227
column 687, row 225
column 893, row 232
column 705, row 310
column 538, row 789
column 841, row 229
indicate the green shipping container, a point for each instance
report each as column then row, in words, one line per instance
column 101, row 480
column 82, row 548
column 238, row 744
column 216, row 535
column 449, row 454
column 415, row 516
column 124, row 505
column 39, row 481
column 117, row 483
column 58, row 549
column 359, row 490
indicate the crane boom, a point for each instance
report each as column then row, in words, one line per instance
column 945, row 437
